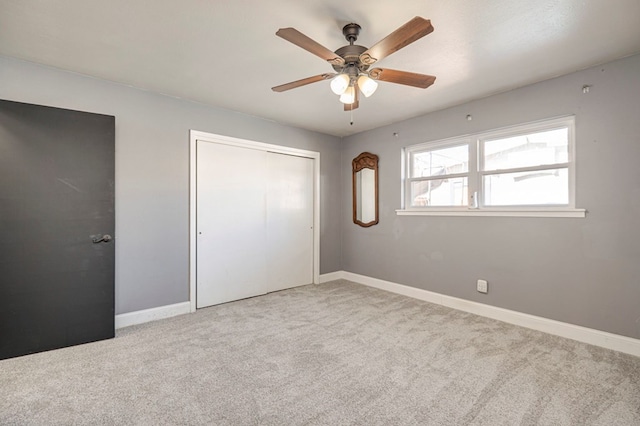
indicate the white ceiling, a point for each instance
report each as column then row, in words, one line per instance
column 225, row 52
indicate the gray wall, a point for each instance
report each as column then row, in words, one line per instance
column 580, row 271
column 152, row 173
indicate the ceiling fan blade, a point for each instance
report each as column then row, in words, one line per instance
column 296, row 37
column 351, row 107
column 402, row 77
column 408, row 33
column 303, row 82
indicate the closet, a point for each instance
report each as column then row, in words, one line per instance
column 254, row 221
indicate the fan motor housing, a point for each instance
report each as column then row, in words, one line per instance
column 351, row 55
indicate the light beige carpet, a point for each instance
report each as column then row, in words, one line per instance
column 330, row 354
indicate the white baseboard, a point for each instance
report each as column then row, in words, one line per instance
column 331, row 276
column 603, row 339
column 146, row 315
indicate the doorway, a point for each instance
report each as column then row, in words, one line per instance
column 254, row 218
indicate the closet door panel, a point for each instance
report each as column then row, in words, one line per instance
column 289, row 227
column 231, row 223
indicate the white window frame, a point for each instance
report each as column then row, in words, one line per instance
column 475, row 142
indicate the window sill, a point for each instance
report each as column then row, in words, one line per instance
column 495, row 212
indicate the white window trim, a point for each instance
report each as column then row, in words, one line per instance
column 495, row 212
column 475, row 151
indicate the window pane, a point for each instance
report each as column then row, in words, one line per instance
column 535, row 149
column 541, row 187
column 439, row 192
column 438, row 162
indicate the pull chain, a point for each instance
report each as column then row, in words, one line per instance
column 351, row 114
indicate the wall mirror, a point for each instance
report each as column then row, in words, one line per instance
column 365, row 189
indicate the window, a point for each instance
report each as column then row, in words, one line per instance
column 521, row 169
column 440, row 175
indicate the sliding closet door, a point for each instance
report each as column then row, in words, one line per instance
column 254, row 222
column 231, row 250
column 289, row 221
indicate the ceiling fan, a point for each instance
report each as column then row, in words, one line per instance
column 352, row 62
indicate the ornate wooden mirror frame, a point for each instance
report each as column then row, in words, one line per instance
column 365, row 189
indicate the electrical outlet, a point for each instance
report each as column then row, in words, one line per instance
column 483, row 286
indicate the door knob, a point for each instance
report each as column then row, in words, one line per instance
column 101, row 238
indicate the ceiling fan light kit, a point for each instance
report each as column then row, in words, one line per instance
column 351, row 62
column 349, row 95
column 340, row 83
column 367, row 85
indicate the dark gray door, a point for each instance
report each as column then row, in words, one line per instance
column 56, row 195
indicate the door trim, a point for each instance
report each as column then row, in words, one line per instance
column 194, row 136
